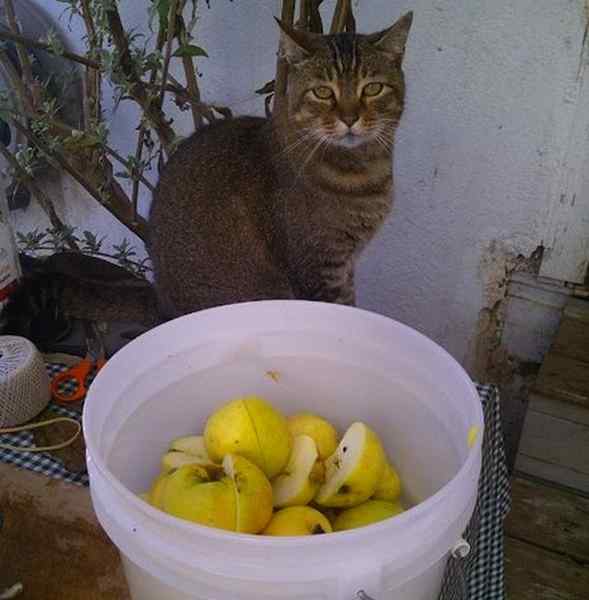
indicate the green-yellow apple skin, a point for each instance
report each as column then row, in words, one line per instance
column 298, row 520
column 253, row 428
column 371, row 511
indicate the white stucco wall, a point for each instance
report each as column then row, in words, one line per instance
column 476, row 153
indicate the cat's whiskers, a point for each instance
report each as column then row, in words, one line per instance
column 289, row 149
column 322, row 140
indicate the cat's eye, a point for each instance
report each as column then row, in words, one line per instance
column 323, row 92
column 373, row 89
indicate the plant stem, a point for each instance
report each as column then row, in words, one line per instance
column 190, row 74
column 119, row 209
column 6, row 35
column 127, row 166
column 168, row 50
column 17, row 82
column 138, row 89
column 92, row 97
column 42, row 198
column 287, row 17
column 341, row 14
column 141, row 139
column 23, row 57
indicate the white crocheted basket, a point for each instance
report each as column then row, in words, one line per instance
column 24, row 383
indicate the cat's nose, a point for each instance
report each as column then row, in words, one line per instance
column 350, row 119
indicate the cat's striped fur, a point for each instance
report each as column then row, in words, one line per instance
column 251, row 209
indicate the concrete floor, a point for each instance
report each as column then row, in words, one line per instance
column 51, row 542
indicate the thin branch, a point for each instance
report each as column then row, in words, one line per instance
column 23, row 56
column 141, row 138
column 315, row 21
column 112, row 152
column 138, row 90
column 119, row 210
column 6, row 35
column 16, row 82
column 190, row 74
column 287, row 17
column 42, row 198
column 341, row 14
column 168, row 51
column 92, row 98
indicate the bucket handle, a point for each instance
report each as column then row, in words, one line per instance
column 459, row 551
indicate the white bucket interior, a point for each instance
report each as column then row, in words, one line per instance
column 343, row 363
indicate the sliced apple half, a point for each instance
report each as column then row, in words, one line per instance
column 253, row 494
column 315, row 426
column 187, row 450
column 301, row 478
column 354, row 469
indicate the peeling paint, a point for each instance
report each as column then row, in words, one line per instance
column 498, row 264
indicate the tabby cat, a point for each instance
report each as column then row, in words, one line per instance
column 250, row 208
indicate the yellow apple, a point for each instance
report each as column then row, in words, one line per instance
column 298, row 520
column 190, row 494
column 253, row 494
column 303, row 475
column 155, row 494
column 253, row 428
column 389, row 486
column 354, row 469
column 321, row 430
column 366, row 513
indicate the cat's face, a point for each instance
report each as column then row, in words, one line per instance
column 346, row 89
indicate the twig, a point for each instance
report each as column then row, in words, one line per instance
column 42, row 198
column 141, row 138
column 119, row 210
column 112, row 152
column 138, row 90
column 6, row 35
column 92, row 98
column 168, row 50
column 190, row 74
column 315, row 22
column 287, row 17
column 340, row 16
column 23, row 56
column 16, row 81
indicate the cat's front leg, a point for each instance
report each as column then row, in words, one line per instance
column 327, row 282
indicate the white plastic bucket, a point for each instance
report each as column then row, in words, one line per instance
column 345, row 363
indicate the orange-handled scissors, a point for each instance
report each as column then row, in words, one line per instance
column 78, row 374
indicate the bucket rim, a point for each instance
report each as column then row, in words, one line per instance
column 419, row 511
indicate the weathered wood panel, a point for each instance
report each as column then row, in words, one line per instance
column 550, row 517
column 573, row 339
column 550, row 472
column 555, row 440
column 564, row 378
column 533, row 573
column 562, row 410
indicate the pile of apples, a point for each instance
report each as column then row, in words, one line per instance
column 254, row 470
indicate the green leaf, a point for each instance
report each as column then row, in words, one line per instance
column 190, row 50
column 123, row 175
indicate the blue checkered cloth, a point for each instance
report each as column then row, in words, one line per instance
column 480, row 575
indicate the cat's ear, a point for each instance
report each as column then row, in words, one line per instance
column 392, row 41
column 296, row 45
